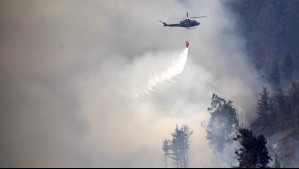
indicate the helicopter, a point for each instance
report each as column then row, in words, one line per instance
column 185, row 22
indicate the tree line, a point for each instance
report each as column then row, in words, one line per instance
column 223, row 129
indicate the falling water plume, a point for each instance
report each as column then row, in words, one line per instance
column 176, row 67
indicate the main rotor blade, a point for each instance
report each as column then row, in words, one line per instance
column 198, row 17
column 176, row 18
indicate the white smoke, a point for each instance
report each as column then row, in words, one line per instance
column 71, row 71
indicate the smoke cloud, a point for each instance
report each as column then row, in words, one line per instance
column 74, row 76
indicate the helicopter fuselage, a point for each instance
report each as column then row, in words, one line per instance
column 187, row 23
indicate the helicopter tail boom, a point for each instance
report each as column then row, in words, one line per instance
column 165, row 24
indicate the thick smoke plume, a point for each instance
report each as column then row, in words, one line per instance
column 71, row 71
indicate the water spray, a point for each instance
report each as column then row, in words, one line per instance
column 176, row 67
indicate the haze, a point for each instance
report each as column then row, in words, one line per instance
column 74, row 78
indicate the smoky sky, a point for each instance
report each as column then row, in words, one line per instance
column 74, row 77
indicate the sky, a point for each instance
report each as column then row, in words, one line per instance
column 75, row 75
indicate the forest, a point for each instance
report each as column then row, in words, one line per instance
column 272, row 34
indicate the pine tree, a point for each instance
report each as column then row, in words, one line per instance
column 166, row 150
column 267, row 113
column 294, row 95
column 293, row 101
column 175, row 147
column 262, row 153
column 179, row 146
column 253, row 152
column 271, row 107
column 281, row 102
column 281, row 108
column 223, row 123
column 275, row 75
column 288, row 68
column 264, row 105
